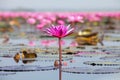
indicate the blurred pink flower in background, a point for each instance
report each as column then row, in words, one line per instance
column 79, row 19
column 73, row 44
column 52, row 18
column 92, row 18
column 39, row 17
column 61, row 22
column 46, row 43
column 71, row 18
column 31, row 21
column 62, row 42
column 40, row 26
column 65, row 63
column 32, row 43
column 45, row 21
column 75, row 18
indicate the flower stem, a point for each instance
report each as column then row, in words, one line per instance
column 60, row 60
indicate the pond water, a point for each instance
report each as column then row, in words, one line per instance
column 53, row 74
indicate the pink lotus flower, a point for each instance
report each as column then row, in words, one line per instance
column 31, row 21
column 59, row 31
column 93, row 18
column 61, row 22
column 40, row 26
